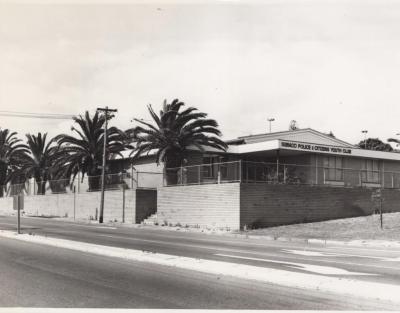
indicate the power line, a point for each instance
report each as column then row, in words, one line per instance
column 36, row 115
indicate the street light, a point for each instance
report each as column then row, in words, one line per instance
column 365, row 137
column 270, row 120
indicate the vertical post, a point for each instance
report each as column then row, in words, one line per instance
column 137, row 179
column 181, row 175
column 316, row 169
column 284, row 174
column 360, row 178
column 219, row 173
column 199, row 173
column 277, row 165
column 123, row 204
column 247, row 172
column 324, row 176
column 74, row 202
column 19, row 214
column 131, row 176
column 240, row 168
column 392, row 180
column 79, row 182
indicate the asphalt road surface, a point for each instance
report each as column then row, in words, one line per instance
column 41, row 276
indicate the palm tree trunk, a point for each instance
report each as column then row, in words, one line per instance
column 3, row 177
column 172, row 170
column 41, row 187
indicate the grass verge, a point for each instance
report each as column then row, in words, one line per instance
column 356, row 228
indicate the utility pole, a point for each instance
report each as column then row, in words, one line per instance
column 103, row 168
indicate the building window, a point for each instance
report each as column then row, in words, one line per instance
column 370, row 171
column 333, row 168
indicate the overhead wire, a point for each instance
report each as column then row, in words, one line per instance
column 36, row 115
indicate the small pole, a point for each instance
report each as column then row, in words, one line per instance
column 123, row 204
column 284, row 174
column 240, row 170
column 19, row 214
column 74, row 202
column 277, row 166
column 131, row 176
column 199, row 173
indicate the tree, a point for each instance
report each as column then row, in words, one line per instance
column 395, row 140
column 375, row 144
column 331, row 134
column 11, row 152
column 174, row 133
column 38, row 163
column 85, row 153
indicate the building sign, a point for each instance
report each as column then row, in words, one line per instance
column 292, row 145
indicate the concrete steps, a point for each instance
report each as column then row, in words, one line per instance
column 151, row 220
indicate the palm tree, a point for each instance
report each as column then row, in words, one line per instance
column 40, row 160
column 11, row 151
column 375, row 144
column 175, row 133
column 85, row 153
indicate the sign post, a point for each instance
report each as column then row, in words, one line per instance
column 378, row 201
column 18, row 204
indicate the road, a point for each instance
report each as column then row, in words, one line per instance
column 43, row 276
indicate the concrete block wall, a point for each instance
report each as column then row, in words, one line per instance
column 6, row 206
column 214, row 205
column 87, row 205
column 264, row 205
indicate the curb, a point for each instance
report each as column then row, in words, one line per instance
column 337, row 285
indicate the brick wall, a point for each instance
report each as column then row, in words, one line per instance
column 214, row 206
column 265, row 205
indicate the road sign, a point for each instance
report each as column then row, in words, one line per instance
column 18, row 202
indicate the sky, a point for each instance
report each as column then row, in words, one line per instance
column 329, row 65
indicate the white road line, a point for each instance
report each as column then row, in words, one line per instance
column 93, row 226
column 333, row 254
column 319, row 283
column 247, row 252
column 325, row 270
